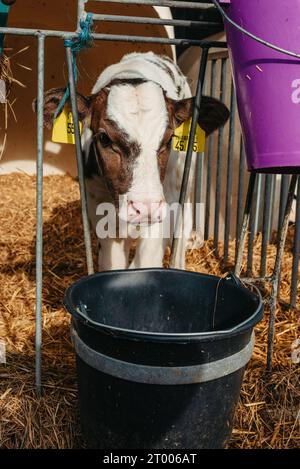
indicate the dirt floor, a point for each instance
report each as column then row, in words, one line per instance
column 268, row 414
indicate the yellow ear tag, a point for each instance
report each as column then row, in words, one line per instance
column 181, row 137
column 63, row 128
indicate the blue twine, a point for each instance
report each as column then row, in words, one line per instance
column 83, row 41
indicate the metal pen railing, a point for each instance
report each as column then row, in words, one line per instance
column 264, row 216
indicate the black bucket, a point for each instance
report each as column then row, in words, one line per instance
column 161, row 355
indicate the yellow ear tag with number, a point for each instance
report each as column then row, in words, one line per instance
column 63, row 128
column 181, row 137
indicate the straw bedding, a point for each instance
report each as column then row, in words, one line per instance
column 268, row 414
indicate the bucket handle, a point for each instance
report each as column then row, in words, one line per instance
column 245, row 31
column 234, row 279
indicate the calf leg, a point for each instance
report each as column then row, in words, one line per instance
column 114, row 254
column 149, row 253
column 150, row 248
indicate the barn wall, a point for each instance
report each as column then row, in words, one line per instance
column 20, row 148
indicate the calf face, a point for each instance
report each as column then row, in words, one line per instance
column 132, row 124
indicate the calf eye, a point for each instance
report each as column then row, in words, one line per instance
column 105, row 140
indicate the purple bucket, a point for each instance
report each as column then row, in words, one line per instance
column 267, row 82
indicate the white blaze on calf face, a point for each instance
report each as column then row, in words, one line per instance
column 141, row 113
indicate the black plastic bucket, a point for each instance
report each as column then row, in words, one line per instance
column 160, row 356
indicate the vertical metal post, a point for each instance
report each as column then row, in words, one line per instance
column 239, row 210
column 39, row 214
column 189, row 155
column 209, row 157
column 80, row 11
column 266, row 219
column 296, row 251
column 259, row 198
column 85, row 220
column 276, row 272
column 241, row 243
column 252, row 226
column 229, row 174
column 198, row 190
column 284, row 189
column 219, row 162
column 271, row 218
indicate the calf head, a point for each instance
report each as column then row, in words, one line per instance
column 132, row 126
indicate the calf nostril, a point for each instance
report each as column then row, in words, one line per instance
column 150, row 210
column 135, row 207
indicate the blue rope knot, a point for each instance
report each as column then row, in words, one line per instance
column 83, row 41
column 84, row 38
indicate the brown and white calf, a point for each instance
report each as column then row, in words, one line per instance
column 129, row 120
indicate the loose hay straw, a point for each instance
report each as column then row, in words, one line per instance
column 268, row 412
column 7, row 76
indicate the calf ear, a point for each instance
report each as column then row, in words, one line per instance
column 212, row 115
column 52, row 99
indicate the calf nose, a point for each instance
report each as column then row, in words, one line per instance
column 146, row 211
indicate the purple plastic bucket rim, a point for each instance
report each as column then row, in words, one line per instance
column 248, row 33
column 267, row 107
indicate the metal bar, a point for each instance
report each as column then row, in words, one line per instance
column 239, row 209
column 251, row 229
column 39, row 215
column 241, row 243
column 276, row 271
column 284, row 189
column 158, row 21
column 37, row 32
column 80, row 11
column 208, row 189
column 114, row 37
column 259, row 198
column 229, row 174
column 219, row 162
column 296, row 251
column 155, row 40
column 198, row 190
column 189, row 155
column 220, row 54
column 85, row 220
column 265, row 228
column 163, row 3
column 272, row 201
column 167, row 375
column 213, row 81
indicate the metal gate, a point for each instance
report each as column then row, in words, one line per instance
column 271, row 190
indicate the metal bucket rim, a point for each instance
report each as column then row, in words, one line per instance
column 163, row 375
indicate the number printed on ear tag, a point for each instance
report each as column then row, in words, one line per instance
column 63, row 128
column 181, row 137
